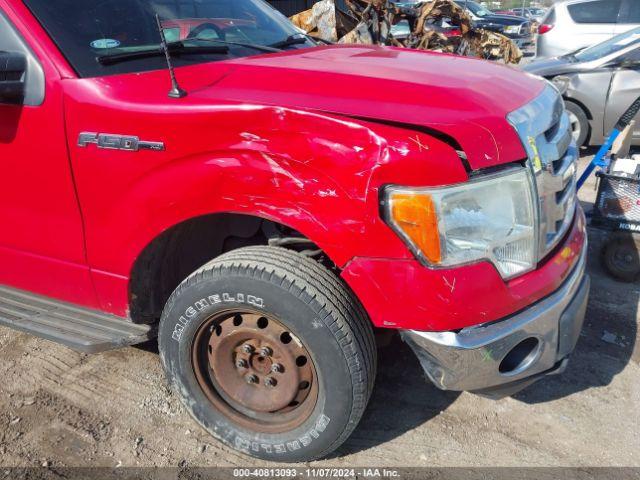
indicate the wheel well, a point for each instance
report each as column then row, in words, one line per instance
column 584, row 108
column 182, row 249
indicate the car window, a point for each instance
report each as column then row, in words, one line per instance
column 631, row 57
column 598, row 11
column 550, row 19
column 618, row 43
column 171, row 34
column 86, row 30
column 631, row 13
column 475, row 8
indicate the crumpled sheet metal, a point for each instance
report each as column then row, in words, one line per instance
column 320, row 20
column 487, row 44
column 369, row 22
column 437, row 9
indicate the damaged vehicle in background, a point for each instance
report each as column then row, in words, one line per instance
column 402, row 29
column 518, row 29
column 436, row 25
column 598, row 84
column 268, row 204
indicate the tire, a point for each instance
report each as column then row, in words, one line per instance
column 283, row 290
column 579, row 123
column 621, row 258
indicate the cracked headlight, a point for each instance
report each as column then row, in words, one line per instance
column 493, row 217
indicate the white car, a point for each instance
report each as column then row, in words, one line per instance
column 573, row 24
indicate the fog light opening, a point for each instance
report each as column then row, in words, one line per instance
column 520, row 357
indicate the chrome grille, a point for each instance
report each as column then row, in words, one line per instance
column 544, row 129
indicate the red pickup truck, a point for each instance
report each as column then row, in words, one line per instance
column 286, row 202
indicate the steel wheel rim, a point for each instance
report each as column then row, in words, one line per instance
column 255, row 370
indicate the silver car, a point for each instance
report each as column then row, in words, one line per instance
column 573, row 24
column 598, row 83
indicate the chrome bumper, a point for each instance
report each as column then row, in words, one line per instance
column 500, row 358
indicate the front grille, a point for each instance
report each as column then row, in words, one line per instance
column 544, row 129
column 525, row 28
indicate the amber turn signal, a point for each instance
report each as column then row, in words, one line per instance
column 415, row 215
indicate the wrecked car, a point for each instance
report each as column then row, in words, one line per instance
column 598, row 84
column 518, row 29
column 437, row 25
column 263, row 204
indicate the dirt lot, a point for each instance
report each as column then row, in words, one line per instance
column 61, row 408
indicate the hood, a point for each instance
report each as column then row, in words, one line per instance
column 548, row 67
column 465, row 98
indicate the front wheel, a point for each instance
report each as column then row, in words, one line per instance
column 270, row 353
column 579, row 123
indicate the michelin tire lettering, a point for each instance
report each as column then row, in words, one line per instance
column 215, row 299
column 303, row 440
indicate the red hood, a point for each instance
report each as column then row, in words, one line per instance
column 341, row 78
column 465, row 98
column 468, row 99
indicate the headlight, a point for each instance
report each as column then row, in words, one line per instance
column 513, row 29
column 492, row 218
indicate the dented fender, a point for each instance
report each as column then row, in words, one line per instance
column 318, row 173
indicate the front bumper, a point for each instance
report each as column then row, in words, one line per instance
column 502, row 357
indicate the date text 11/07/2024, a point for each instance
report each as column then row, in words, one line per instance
column 315, row 473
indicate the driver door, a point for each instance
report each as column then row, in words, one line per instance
column 41, row 234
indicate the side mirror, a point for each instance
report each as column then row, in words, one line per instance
column 13, row 69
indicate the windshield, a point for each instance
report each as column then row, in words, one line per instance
column 613, row 45
column 86, row 31
column 475, row 8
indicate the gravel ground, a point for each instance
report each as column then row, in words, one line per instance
column 61, row 408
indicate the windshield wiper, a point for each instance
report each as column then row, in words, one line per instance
column 295, row 39
column 319, row 40
column 178, row 48
column 255, row 46
column 298, row 39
